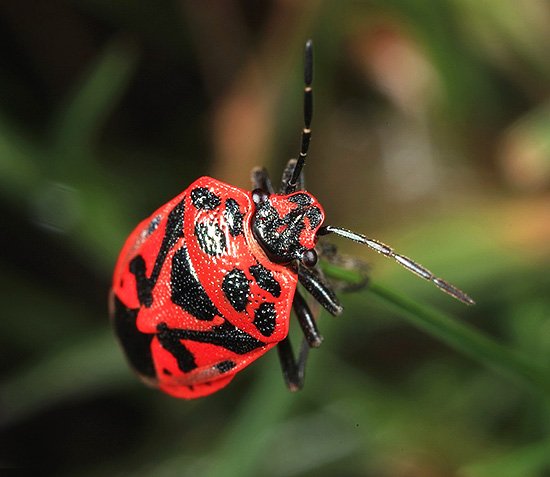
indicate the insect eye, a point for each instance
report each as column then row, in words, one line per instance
column 309, row 258
column 259, row 196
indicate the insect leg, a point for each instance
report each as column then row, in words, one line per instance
column 329, row 253
column 307, row 321
column 315, row 285
column 293, row 369
column 260, row 180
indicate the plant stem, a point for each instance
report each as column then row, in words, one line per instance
column 458, row 335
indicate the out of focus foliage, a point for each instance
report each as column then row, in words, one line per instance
column 431, row 132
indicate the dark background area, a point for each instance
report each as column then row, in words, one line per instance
column 431, row 132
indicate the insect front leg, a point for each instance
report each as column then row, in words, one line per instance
column 321, row 291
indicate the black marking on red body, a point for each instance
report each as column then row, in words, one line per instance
column 144, row 286
column 265, row 280
column 137, row 266
column 315, row 217
column 301, row 199
column 225, row 335
column 279, row 236
column 236, row 289
column 170, row 341
column 233, row 339
column 137, row 345
column 211, row 238
column 204, row 198
column 234, row 217
column 186, row 290
column 265, row 318
column 225, row 366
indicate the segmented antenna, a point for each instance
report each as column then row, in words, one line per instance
column 405, row 262
column 308, row 114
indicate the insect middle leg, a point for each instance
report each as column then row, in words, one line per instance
column 306, row 321
column 329, row 253
column 294, row 369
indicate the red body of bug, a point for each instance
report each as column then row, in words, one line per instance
column 206, row 285
column 195, row 298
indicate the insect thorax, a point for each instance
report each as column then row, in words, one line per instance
column 286, row 225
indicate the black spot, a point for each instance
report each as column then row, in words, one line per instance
column 236, row 288
column 136, row 345
column 234, row 217
column 166, row 372
column 301, row 199
column 211, row 238
column 265, row 280
column 204, row 198
column 225, row 366
column 170, row 341
column 187, row 291
column 314, row 216
column 174, row 230
column 264, row 318
column 225, row 335
column 144, row 286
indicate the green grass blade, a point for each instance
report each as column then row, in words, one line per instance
column 88, row 367
column 95, row 97
column 460, row 336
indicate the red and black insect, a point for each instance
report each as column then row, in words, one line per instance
column 207, row 284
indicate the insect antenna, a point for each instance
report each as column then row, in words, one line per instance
column 308, row 114
column 405, row 262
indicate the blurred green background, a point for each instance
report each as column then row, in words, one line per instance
column 431, row 133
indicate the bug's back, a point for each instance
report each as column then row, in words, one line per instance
column 194, row 293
